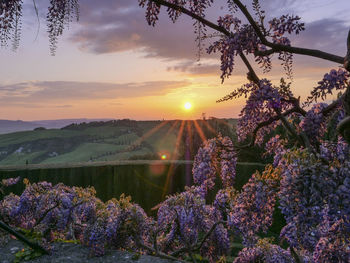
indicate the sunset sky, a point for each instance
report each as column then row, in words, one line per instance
column 111, row 64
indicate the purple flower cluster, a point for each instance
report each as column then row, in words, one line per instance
column 195, row 6
column 276, row 147
column 204, row 166
column 314, row 123
column 181, row 220
column 264, row 252
column 286, row 24
column 10, row 14
column 229, row 20
column 224, row 200
column 119, row 224
column 253, row 207
column 60, row 13
column 244, row 39
column 216, row 156
column 228, row 160
column 6, row 206
column 339, row 150
column 174, row 13
column 10, row 181
column 334, row 245
column 314, row 198
column 263, row 102
column 334, row 80
column 59, row 211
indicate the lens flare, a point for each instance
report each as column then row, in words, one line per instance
column 163, row 157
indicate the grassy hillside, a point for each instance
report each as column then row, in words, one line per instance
column 104, row 141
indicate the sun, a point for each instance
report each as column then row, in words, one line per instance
column 187, row 105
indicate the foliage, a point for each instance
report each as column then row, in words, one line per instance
column 26, row 254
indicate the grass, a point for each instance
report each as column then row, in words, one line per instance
column 124, row 139
column 27, row 136
column 83, row 153
column 125, row 155
column 19, row 158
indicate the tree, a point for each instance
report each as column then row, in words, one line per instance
column 309, row 177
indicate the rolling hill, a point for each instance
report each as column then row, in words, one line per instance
column 9, row 126
column 108, row 141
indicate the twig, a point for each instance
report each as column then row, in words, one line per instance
column 295, row 255
column 44, row 215
column 303, row 141
column 159, row 254
column 333, row 105
column 208, row 234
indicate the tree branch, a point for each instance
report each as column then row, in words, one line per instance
column 290, row 49
column 44, row 215
column 159, row 254
column 268, row 122
column 252, row 76
column 347, row 57
column 193, row 15
column 208, row 234
column 22, row 238
column 333, row 105
column 302, row 139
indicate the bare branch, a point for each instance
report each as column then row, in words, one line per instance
column 159, row 254
column 278, row 48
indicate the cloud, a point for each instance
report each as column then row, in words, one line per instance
column 117, row 26
column 60, row 92
column 326, row 34
column 196, row 69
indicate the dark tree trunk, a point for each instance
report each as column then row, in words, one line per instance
column 344, row 125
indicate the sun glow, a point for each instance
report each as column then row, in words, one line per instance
column 187, row 105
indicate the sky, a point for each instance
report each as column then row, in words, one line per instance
column 111, row 64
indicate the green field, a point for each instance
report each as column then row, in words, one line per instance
column 98, row 141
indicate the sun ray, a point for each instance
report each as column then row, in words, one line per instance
column 173, row 157
column 224, row 122
column 210, row 128
column 189, row 132
column 147, row 135
column 172, row 127
column 199, row 130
